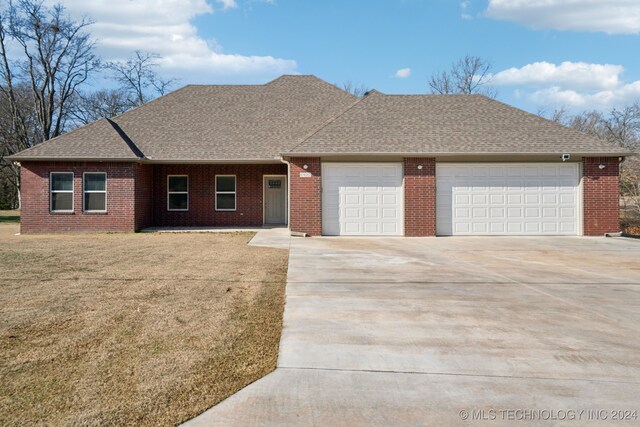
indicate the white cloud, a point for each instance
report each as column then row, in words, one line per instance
column 465, row 5
column 609, row 16
column 602, row 100
column 228, row 4
column 403, row 73
column 578, row 75
column 574, row 85
column 164, row 27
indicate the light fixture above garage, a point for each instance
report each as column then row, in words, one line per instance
column 419, row 167
column 601, row 166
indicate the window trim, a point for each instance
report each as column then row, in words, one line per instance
column 72, row 191
column 177, row 192
column 235, row 193
column 84, row 191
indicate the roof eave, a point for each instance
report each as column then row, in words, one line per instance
column 453, row 154
column 19, row 158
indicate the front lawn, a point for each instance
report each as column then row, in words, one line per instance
column 144, row 329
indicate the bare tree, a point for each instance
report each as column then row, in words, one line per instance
column 620, row 126
column 138, row 78
column 468, row 75
column 355, row 89
column 89, row 107
column 56, row 56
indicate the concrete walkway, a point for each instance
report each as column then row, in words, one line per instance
column 382, row 331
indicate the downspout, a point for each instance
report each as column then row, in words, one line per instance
column 282, row 159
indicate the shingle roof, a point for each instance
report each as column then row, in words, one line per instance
column 298, row 115
column 211, row 123
column 445, row 124
column 98, row 140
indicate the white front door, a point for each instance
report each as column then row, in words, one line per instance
column 507, row 199
column 362, row 199
column 275, row 199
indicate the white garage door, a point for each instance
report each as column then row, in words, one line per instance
column 502, row 199
column 362, row 199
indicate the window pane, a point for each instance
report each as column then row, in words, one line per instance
column 62, row 181
column 178, row 183
column 95, row 202
column 225, row 183
column 226, row 201
column 94, row 182
column 178, row 201
column 61, row 201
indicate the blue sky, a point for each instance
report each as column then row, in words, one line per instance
column 577, row 54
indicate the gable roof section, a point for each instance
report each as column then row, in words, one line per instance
column 207, row 123
column 100, row 140
column 233, row 122
column 444, row 124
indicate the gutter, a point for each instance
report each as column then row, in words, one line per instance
column 146, row 160
column 454, row 154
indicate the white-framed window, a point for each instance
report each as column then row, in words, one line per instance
column 61, row 191
column 178, row 193
column 225, row 192
column 94, row 192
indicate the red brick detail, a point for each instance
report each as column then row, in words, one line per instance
column 249, row 194
column 35, row 213
column 306, row 196
column 601, row 196
column 419, row 197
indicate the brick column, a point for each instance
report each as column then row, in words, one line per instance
column 419, row 197
column 306, row 193
column 601, row 196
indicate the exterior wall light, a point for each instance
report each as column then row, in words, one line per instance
column 419, row 167
column 305, row 167
column 601, row 166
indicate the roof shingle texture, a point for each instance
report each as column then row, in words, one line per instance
column 442, row 124
column 97, row 140
column 210, row 122
column 306, row 115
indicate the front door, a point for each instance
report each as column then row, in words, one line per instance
column 275, row 199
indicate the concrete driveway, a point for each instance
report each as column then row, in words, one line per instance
column 451, row 331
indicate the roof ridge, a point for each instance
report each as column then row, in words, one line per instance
column 154, row 100
column 328, row 122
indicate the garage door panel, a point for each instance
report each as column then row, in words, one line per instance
column 362, row 199
column 507, row 199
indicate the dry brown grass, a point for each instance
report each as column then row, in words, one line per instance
column 145, row 329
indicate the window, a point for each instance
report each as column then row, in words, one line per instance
column 225, row 192
column 61, row 191
column 178, row 193
column 95, row 192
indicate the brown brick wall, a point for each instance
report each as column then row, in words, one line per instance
column 306, row 194
column 202, row 213
column 419, row 197
column 601, row 200
column 35, row 214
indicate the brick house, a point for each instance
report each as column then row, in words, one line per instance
column 300, row 152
